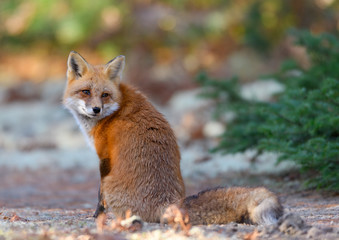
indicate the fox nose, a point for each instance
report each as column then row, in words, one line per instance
column 96, row 109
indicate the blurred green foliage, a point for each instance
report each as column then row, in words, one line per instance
column 60, row 24
column 158, row 37
column 109, row 24
column 301, row 124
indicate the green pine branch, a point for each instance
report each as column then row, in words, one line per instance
column 301, row 124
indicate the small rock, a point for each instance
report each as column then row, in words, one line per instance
column 261, row 90
column 291, row 224
column 213, row 129
column 133, row 223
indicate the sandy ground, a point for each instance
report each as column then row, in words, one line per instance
column 54, row 203
column 49, row 178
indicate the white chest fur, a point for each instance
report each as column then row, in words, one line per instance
column 86, row 124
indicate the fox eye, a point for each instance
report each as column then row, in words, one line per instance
column 87, row 92
column 104, row 95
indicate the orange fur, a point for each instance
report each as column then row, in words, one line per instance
column 144, row 158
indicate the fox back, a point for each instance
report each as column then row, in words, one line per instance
column 138, row 152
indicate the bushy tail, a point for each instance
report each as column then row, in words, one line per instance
column 264, row 207
column 241, row 205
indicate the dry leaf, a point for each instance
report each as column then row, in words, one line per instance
column 15, row 218
column 176, row 217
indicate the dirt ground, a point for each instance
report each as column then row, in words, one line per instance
column 56, row 203
column 49, row 178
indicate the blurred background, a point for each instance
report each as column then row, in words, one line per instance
column 166, row 44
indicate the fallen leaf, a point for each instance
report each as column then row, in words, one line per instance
column 15, row 218
column 176, row 217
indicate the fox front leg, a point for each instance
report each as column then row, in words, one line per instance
column 105, row 168
column 101, row 204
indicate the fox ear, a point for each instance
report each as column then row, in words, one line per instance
column 115, row 67
column 77, row 65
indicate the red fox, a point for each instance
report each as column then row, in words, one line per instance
column 139, row 156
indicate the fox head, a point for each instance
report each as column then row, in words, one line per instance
column 93, row 90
